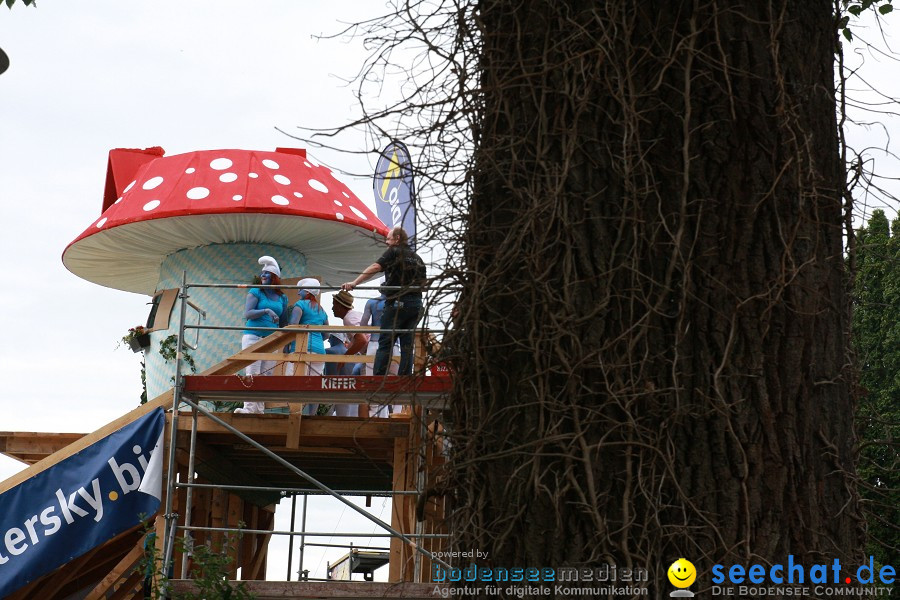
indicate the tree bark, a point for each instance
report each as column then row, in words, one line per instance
column 655, row 361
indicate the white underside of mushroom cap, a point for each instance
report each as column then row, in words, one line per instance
column 128, row 257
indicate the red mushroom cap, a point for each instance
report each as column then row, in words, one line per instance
column 225, row 196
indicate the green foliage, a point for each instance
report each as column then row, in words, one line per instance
column 168, row 349
column 856, row 8
column 9, row 3
column 210, row 571
column 876, row 341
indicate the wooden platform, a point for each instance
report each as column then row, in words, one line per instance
column 30, row 447
column 375, row 455
column 428, row 392
column 333, row 590
column 342, row 452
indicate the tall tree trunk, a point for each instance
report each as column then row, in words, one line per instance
column 655, row 356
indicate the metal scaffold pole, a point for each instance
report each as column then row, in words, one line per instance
column 171, row 518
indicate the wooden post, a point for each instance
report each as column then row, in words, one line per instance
column 235, row 512
column 399, row 552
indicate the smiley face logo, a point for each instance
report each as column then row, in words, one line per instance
column 682, row 573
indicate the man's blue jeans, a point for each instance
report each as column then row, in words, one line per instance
column 398, row 314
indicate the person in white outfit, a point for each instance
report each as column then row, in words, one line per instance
column 264, row 308
column 308, row 311
column 342, row 307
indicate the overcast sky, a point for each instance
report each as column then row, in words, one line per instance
column 93, row 75
column 89, row 76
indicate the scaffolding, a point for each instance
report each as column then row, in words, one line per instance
column 225, row 473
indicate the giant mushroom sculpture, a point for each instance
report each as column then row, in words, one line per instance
column 212, row 213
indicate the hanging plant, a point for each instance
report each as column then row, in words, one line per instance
column 137, row 338
column 168, row 348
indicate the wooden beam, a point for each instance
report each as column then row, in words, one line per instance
column 257, row 562
column 58, row 579
column 334, row 590
column 212, row 466
column 217, row 518
column 398, row 551
column 124, row 565
column 262, row 425
column 129, row 587
column 35, row 442
column 295, row 421
column 233, row 522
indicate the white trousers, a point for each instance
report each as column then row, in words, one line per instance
column 260, row 367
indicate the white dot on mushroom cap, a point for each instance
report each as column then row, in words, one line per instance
column 359, row 213
column 227, row 177
column 101, row 222
column 270, row 163
column 152, row 183
column 129, row 186
column 237, row 197
column 119, row 199
column 282, row 179
column 298, row 194
column 220, row 164
column 197, row 193
column 318, row 186
column 253, row 175
column 151, row 205
column 339, row 216
column 307, row 164
column 346, row 195
column 281, row 200
column 190, row 170
column 338, row 202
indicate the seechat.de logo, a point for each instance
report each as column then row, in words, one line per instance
column 682, row 574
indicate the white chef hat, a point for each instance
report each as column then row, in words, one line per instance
column 270, row 264
column 311, row 285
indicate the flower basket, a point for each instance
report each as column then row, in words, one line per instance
column 139, row 342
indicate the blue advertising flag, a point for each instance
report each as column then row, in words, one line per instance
column 394, row 190
column 81, row 502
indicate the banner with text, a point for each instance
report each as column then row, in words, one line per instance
column 395, row 192
column 81, row 502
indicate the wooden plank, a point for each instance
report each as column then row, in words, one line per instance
column 248, row 542
column 257, row 562
column 236, row 362
column 398, row 554
column 35, row 442
column 55, row 582
column 276, row 425
column 212, row 466
column 200, row 517
column 295, row 421
column 124, row 565
column 233, row 521
column 333, row 590
column 25, row 593
column 217, row 518
column 333, row 385
column 130, row 587
column 159, row 530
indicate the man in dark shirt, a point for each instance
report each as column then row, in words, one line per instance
column 404, row 277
